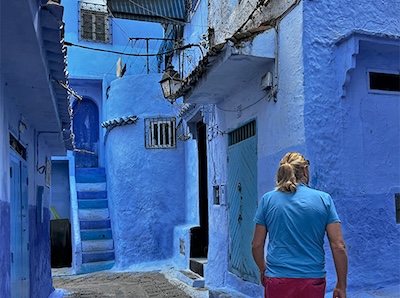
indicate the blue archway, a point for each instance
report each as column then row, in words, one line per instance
column 86, row 130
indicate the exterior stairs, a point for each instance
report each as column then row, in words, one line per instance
column 94, row 220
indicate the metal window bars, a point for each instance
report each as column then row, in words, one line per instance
column 160, row 133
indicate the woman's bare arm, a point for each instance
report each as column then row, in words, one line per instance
column 260, row 234
column 339, row 253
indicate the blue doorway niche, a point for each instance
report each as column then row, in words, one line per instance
column 86, row 130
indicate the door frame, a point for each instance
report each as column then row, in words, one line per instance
column 19, row 227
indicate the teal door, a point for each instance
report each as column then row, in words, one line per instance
column 19, row 227
column 242, row 204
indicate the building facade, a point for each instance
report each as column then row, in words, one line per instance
column 258, row 80
column 34, row 125
column 272, row 83
column 120, row 201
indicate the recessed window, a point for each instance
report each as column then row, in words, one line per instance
column 384, row 81
column 160, row 133
column 94, row 22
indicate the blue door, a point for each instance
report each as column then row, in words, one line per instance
column 242, row 204
column 19, row 227
column 86, row 129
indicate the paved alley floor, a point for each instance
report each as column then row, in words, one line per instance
column 121, row 285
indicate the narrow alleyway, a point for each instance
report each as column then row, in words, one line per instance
column 122, row 285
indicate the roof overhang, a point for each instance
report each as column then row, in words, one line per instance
column 223, row 74
column 33, row 60
column 159, row 11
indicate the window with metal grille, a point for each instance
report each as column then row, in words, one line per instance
column 242, row 133
column 160, row 133
column 94, row 22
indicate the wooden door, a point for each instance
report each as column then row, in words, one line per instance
column 242, row 204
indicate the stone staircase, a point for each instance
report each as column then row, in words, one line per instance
column 94, row 220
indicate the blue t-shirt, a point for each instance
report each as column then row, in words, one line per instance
column 296, row 224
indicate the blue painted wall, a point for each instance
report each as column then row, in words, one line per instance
column 350, row 137
column 5, row 248
column 15, row 98
column 145, row 186
column 40, row 277
column 83, row 63
column 4, row 198
column 353, row 142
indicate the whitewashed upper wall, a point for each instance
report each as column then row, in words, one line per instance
column 230, row 17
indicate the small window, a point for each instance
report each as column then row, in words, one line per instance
column 94, row 22
column 397, row 206
column 17, row 146
column 384, row 81
column 160, row 133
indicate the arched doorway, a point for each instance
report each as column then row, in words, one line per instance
column 86, row 130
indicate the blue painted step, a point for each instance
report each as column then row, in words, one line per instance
column 96, row 266
column 90, row 175
column 98, row 256
column 92, row 204
column 91, row 195
column 89, row 171
column 95, row 224
column 96, row 234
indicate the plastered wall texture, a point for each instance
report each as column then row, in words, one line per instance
column 146, row 187
column 4, row 199
column 39, row 241
column 280, row 127
column 5, row 247
column 40, row 275
column 353, row 142
column 229, row 17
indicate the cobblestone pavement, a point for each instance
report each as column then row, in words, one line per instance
column 123, row 285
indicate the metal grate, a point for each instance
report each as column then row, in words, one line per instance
column 160, row 133
column 242, row 133
column 94, row 23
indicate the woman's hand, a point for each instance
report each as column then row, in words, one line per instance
column 339, row 293
column 263, row 279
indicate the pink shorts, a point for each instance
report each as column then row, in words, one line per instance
column 294, row 287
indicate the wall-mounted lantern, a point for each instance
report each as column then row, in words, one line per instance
column 170, row 83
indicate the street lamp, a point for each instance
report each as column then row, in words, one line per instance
column 171, row 83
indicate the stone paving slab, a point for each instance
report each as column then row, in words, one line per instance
column 119, row 285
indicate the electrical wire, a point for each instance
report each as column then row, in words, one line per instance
column 133, row 54
column 249, row 106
